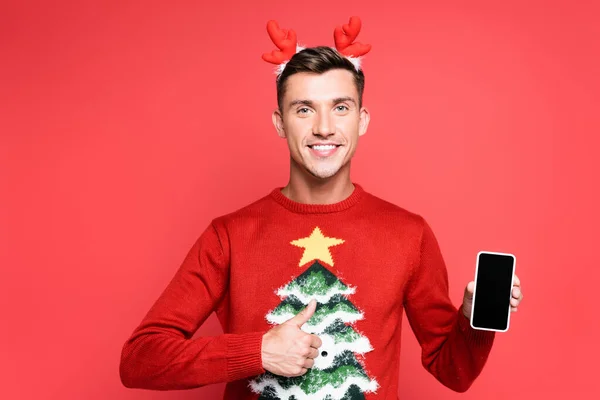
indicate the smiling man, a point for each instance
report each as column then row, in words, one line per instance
column 310, row 282
column 321, row 116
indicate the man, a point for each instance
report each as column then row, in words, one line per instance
column 310, row 281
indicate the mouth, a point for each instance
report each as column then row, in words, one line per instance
column 324, row 150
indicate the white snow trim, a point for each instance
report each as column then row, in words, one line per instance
column 360, row 346
column 356, row 61
column 320, row 298
column 365, row 385
column 279, row 69
column 316, row 329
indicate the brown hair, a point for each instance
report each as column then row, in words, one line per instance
column 318, row 60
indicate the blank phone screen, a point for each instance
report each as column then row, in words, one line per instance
column 491, row 306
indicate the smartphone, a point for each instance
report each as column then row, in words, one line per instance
column 494, row 276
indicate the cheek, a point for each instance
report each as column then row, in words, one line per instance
column 350, row 127
column 296, row 132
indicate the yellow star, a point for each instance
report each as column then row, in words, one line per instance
column 316, row 246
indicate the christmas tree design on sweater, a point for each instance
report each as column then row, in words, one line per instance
column 337, row 373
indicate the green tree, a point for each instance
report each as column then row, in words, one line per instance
column 337, row 373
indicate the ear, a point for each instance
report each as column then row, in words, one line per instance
column 363, row 122
column 278, row 123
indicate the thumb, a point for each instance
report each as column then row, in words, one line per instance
column 304, row 315
column 469, row 290
column 467, row 306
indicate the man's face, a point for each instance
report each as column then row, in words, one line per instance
column 321, row 120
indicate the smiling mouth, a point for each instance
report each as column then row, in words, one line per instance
column 322, row 147
column 324, row 150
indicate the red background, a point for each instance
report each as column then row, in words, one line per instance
column 127, row 126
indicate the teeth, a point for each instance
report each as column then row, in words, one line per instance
column 323, row 147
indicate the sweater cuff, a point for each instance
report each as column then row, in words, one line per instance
column 244, row 355
column 476, row 337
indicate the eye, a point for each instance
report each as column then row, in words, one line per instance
column 342, row 108
column 302, row 110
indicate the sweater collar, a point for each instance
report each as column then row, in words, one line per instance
column 305, row 208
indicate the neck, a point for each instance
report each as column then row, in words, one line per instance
column 309, row 189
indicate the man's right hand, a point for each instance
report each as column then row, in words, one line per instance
column 289, row 351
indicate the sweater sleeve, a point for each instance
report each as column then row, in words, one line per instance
column 452, row 351
column 161, row 354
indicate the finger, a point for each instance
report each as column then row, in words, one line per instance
column 516, row 292
column 307, row 341
column 304, row 315
column 516, row 281
column 514, row 302
column 313, row 353
column 316, row 341
column 513, row 309
column 470, row 288
column 309, row 363
column 302, row 372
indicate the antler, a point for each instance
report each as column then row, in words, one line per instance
column 284, row 39
column 344, row 37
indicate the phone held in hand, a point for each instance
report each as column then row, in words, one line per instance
column 493, row 290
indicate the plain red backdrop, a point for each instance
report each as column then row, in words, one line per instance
column 127, row 126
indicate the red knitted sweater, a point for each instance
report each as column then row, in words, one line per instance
column 365, row 260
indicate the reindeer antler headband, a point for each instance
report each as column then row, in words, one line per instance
column 343, row 36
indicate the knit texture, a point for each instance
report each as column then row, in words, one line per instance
column 366, row 262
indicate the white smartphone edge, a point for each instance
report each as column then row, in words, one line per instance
column 512, row 282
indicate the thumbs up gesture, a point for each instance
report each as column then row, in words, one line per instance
column 289, row 351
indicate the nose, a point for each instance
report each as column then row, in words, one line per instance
column 324, row 125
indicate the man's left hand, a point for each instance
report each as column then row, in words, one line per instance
column 515, row 300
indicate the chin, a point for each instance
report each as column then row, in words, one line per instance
column 321, row 169
column 325, row 173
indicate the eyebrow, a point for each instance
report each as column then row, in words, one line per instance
column 334, row 101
